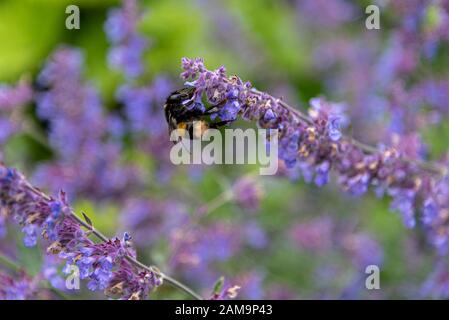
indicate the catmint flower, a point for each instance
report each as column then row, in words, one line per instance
column 435, row 208
column 127, row 45
column 2, row 223
column 21, row 287
column 192, row 68
column 436, row 285
column 143, row 106
column 49, row 271
column 363, row 250
column 255, row 236
column 329, row 113
column 314, row 235
column 269, row 116
column 99, row 263
column 128, row 285
column 247, row 192
column 15, row 96
column 228, row 112
column 315, row 145
column 198, row 251
column 87, row 162
column 322, row 174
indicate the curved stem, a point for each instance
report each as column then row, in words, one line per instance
column 175, row 283
column 428, row 166
column 7, row 262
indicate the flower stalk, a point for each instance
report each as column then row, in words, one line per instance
column 175, row 283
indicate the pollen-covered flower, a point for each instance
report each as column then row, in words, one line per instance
column 129, row 285
column 96, row 262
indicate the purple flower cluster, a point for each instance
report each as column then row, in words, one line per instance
column 217, row 88
column 142, row 103
column 128, row 284
column 247, row 192
column 88, row 159
column 385, row 80
column 435, row 214
column 314, row 144
column 437, row 283
column 128, row 45
column 104, row 264
column 379, row 78
column 20, row 287
column 143, row 106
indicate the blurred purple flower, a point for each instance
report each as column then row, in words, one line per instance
column 12, row 100
column 128, row 46
column 315, row 235
column 21, row 287
column 247, row 192
column 87, row 161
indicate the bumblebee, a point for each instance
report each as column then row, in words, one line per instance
column 180, row 115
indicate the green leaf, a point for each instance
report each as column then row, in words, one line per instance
column 218, row 286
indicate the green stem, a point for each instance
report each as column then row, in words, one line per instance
column 7, row 262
